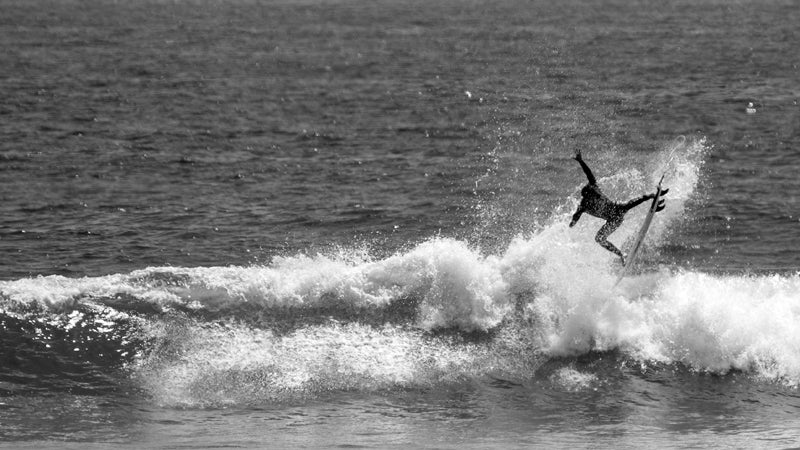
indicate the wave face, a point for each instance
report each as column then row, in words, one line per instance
column 438, row 313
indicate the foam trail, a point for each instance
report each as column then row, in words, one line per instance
column 230, row 364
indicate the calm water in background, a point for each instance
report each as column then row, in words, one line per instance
column 309, row 223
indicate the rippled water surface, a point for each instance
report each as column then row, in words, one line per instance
column 344, row 223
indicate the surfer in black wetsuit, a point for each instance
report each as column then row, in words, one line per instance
column 594, row 202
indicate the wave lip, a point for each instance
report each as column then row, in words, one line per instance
column 451, row 285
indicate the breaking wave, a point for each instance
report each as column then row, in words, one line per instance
column 440, row 312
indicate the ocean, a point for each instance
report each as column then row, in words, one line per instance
column 344, row 224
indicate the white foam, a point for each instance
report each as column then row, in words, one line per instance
column 728, row 322
column 230, row 364
column 457, row 286
column 570, row 379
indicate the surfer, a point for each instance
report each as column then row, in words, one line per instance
column 594, row 202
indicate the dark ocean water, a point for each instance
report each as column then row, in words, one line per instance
column 343, row 223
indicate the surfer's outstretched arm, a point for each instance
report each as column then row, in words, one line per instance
column 585, row 168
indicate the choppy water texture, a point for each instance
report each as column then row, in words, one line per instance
column 344, row 223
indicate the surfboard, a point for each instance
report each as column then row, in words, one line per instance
column 637, row 244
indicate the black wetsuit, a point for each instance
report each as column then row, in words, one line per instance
column 595, row 203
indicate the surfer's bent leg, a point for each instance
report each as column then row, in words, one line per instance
column 606, row 230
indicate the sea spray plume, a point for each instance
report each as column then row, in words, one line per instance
column 682, row 161
column 564, row 281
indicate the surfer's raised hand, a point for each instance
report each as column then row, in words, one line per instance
column 577, row 156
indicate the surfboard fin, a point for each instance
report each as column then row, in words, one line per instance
column 664, row 191
column 661, row 206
